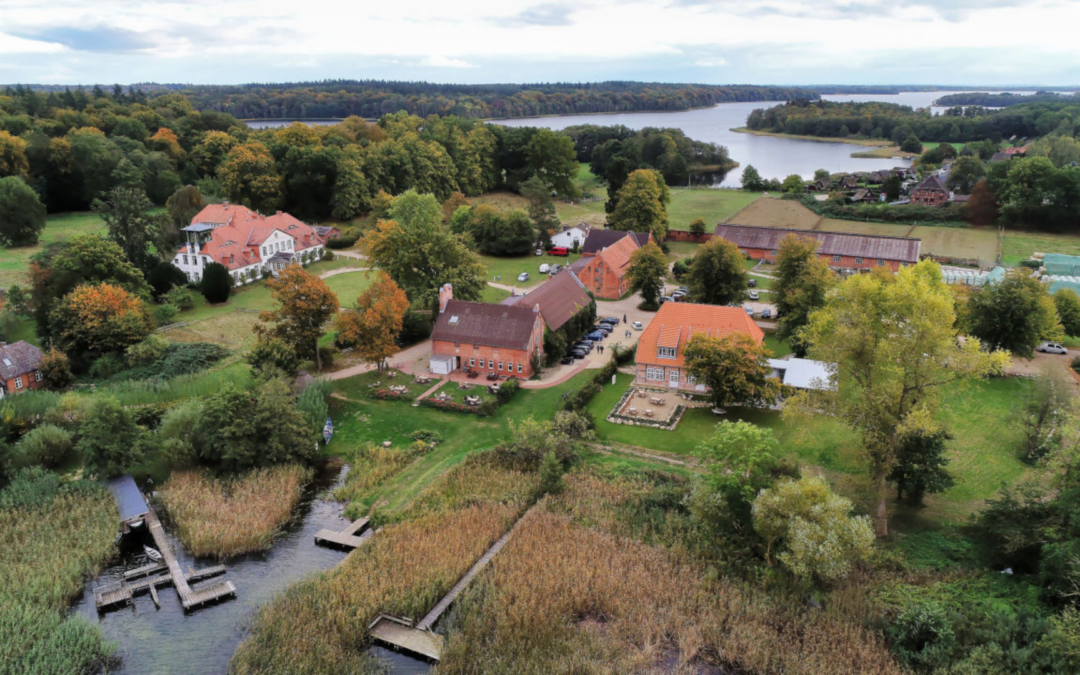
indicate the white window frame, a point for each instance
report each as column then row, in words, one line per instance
column 18, row 382
column 880, row 263
column 836, row 258
column 472, row 362
column 519, row 368
column 665, row 352
column 38, row 376
column 655, row 373
column 858, row 261
column 500, row 365
column 673, row 381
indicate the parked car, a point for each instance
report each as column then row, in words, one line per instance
column 684, row 289
column 637, row 325
column 567, row 360
column 678, row 295
column 1051, row 348
column 596, row 336
column 545, row 268
column 539, row 251
column 752, row 283
column 754, row 295
column 578, row 354
column 665, row 298
column 559, row 251
column 555, row 268
column 524, row 276
column 611, row 320
column 749, row 310
column 585, row 347
column 766, row 313
column 603, row 329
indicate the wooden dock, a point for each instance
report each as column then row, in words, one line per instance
column 348, row 538
column 147, row 578
column 401, row 633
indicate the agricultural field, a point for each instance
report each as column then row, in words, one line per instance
column 776, row 213
column 1018, row 245
column 713, row 205
column 14, row 262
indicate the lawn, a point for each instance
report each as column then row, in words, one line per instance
column 711, row 204
column 510, row 268
column 779, row 348
column 494, row 295
column 349, row 285
column 359, row 386
column 981, row 417
column 361, row 420
column 777, row 213
column 14, row 262
column 1018, row 245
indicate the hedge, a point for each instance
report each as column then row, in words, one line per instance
column 910, row 214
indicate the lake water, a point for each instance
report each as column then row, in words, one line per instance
column 169, row 641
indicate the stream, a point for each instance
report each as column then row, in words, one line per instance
column 169, row 641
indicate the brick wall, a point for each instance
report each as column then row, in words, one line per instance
column 477, row 357
column 602, row 281
column 28, row 382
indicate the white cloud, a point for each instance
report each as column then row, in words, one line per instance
column 443, row 62
column 711, row 63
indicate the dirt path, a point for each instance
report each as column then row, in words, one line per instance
column 343, row 270
column 644, row 453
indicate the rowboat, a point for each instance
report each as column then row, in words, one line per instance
column 152, row 553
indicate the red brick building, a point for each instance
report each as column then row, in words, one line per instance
column 19, row 367
column 605, row 273
column 599, row 239
column 930, row 192
column 660, row 361
column 500, row 339
column 841, row 250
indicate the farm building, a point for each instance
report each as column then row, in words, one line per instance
column 571, row 237
column 605, row 273
column 19, row 367
column 841, row 250
column 599, row 239
column 930, row 192
column 559, row 298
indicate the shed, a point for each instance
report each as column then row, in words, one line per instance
column 804, row 373
column 129, row 501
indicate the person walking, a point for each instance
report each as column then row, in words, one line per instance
column 624, row 318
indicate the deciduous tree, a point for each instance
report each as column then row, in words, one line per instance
column 22, row 215
column 982, row 205
column 13, row 156
column 751, row 179
column 642, row 204
column 1014, row 314
column 1067, row 303
column 803, row 279
column 132, row 225
column 103, row 319
column 109, row 439
column 273, row 356
column 250, row 177
column 647, row 270
column 717, row 275
column 793, row 185
column 376, row 324
column 697, row 227
column 894, row 342
column 306, row 304
column 735, row 369
column 184, row 204
column 964, row 174
column 55, row 367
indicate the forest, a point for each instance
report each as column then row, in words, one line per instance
column 1005, row 99
column 895, row 122
column 375, row 98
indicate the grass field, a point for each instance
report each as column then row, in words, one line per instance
column 776, row 213
column 510, row 268
column 711, row 204
column 1019, row 245
column 349, row 285
column 14, row 262
column 983, row 453
column 494, row 295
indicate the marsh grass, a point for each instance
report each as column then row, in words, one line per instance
column 225, row 517
column 370, row 465
column 49, row 546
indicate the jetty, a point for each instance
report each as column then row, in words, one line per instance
column 147, row 578
column 349, row 538
column 419, row 638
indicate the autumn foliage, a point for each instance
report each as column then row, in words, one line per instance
column 375, row 325
column 99, row 319
column 306, row 304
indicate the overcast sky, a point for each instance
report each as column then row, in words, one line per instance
column 988, row 42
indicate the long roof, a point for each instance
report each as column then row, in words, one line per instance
column 677, row 322
column 600, row 239
column 560, row 298
column 238, row 233
column 805, row 373
column 129, row 500
column 617, row 256
column 18, row 358
column 479, row 323
column 931, row 183
column 903, row 249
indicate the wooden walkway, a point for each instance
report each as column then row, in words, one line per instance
column 146, row 578
column 348, row 538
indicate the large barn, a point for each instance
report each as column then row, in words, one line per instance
column 842, row 250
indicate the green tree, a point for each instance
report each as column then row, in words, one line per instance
column 45, row 445
column 697, row 227
column 1067, row 303
column 184, row 204
column 250, row 177
column 164, row 277
column 803, row 279
column 541, row 209
column 793, row 185
column 647, row 270
column 920, row 467
column 109, row 439
column 216, row 283
column 813, row 527
column 552, row 158
column 982, row 206
column 132, row 224
column 1014, row 314
column 22, row 215
column 272, row 356
column 13, row 155
column 55, row 367
column 717, row 275
column 965, row 173
column 551, row 474
column 821, row 174
column 891, row 379
column 912, row 144
column 892, row 187
column 641, row 206
column 735, row 369
column 751, row 179
column 306, row 304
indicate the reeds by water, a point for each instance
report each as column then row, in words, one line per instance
column 370, row 466
column 224, row 517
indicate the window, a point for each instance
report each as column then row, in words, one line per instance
column 185, row 260
column 691, row 380
column 37, row 376
column 666, row 352
column 881, row 263
column 519, row 367
column 18, row 382
column 858, row 261
column 654, row 373
column 500, row 365
column 836, row 258
column 491, row 364
column 264, row 250
column 472, row 362
column 772, row 253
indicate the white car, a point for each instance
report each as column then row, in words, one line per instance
column 1051, row 348
column 754, row 295
column 637, row 325
column 524, row 276
column 545, row 268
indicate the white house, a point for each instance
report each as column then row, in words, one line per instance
column 571, row 236
column 247, row 243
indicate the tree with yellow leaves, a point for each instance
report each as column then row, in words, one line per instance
column 250, row 177
column 306, row 304
column 376, row 324
column 102, row 319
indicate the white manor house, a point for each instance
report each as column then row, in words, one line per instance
column 249, row 244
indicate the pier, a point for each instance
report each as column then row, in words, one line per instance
column 349, row 538
column 418, row 638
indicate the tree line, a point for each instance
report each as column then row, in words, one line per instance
column 1004, row 99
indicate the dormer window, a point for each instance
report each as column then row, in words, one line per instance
column 665, row 352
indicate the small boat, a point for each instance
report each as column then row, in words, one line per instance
column 152, row 553
column 135, row 524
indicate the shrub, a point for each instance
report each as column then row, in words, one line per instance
column 507, row 390
column 55, row 367
column 216, row 283
column 327, row 255
column 181, row 296
column 273, row 355
column 312, row 402
column 46, row 445
column 426, row 435
column 1031, row 264
column 106, row 366
column 108, row 438
column 151, row 349
column 387, row 395
column 164, row 314
column 922, row 635
column 164, row 276
column 551, row 473
column 680, row 269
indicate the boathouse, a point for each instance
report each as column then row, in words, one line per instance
column 129, row 501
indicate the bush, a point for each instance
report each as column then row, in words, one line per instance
column 151, row 349
column 922, row 635
column 327, row 255
column 273, row 355
column 680, row 269
column 181, row 296
column 426, row 435
column 55, row 367
column 507, row 390
column 551, row 473
column 46, row 446
column 164, row 314
column 106, row 367
column 149, row 415
column 1031, row 264
column 165, row 276
column 216, row 283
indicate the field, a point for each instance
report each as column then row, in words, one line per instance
column 776, row 213
column 711, row 204
column 954, row 242
column 1019, row 245
column 14, row 262
column 349, row 285
column 510, row 268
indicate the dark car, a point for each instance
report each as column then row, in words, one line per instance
column 602, row 328
column 666, row 298
column 612, row 320
column 752, row 283
column 584, row 348
column 596, row 337
column 567, row 360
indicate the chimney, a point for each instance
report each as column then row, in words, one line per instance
column 536, row 308
column 446, row 294
column 226, row 205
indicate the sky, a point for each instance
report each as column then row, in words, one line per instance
column 948, row 42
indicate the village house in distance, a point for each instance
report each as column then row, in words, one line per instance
column 249, row 244
column 19, row 367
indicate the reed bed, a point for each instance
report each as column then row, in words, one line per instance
column 225, row 517
column 478, row 480
column 319, row 626
column 564, row 597
column 47, row 551
column 370, row 466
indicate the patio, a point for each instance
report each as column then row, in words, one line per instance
column 648, row 407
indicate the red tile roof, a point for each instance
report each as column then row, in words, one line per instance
column 560, row 298
column 617, row 256
column 678, row 322
column 235, row 242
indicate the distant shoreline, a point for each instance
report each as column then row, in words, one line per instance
column 869, row 142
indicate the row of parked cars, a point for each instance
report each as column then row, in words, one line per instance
column 678, row 295
column 600, row 330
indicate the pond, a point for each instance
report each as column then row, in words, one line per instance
column 168, row 640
